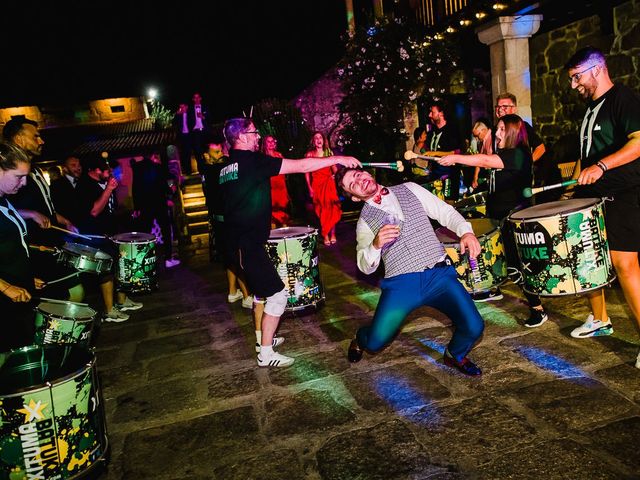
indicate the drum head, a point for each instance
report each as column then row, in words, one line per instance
column 31, row 367
column 552, row 209
column 83, row 250
column 134, row 237
column 291, row 232
column 482, row 226
column 67, row 310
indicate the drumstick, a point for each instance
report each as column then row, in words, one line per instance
column 409, row 155
column 394, row 166
column 44, row 248
column 70, row 232
column 46, row 284
column 529, row 192
column 54, row 300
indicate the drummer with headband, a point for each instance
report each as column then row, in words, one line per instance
column 246, row 186
column 395, row 226
column 610, row 162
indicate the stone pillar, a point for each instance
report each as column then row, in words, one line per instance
column 377, row 9
column 411, row 122
column 508, row 40
column 351, row 22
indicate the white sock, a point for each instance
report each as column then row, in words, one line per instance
column 258, row 337
column 266, row 352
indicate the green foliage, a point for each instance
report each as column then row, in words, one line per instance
column 161, row 114
column 284, row 121
column 387, row 67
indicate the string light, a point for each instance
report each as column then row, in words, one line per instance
column 499, row 6
column 465, row 22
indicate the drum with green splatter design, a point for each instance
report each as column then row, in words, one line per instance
column 294, row 253
column 58, row 321
column 563, row 247
column 51, row 420
column 486, row 271
column 136, row 270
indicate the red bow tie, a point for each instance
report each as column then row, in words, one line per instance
column 378, row 197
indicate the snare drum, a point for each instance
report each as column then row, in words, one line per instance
column 563, row 247
column 136, row 270
column 489, row 269
column 474, row 206
column 85, row 259
column 294, row 253
column 51, row 420
column 63, row 322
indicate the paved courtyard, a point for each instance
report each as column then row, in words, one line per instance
column 185, row 399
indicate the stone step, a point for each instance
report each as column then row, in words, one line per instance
column 198, row 228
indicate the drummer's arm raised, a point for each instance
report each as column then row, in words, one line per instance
column 103, row 200
column 311, row 164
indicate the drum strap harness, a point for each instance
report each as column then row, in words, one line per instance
column 44, row 189
column 15, row 217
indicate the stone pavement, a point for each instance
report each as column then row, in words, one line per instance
column 184, row 398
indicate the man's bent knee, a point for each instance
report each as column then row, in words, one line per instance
column 276, row 303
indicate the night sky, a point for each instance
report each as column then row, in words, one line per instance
column 233, row 52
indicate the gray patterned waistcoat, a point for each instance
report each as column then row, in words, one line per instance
column 417, row 248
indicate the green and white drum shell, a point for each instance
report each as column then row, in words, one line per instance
column 490, row 267
column 61, row 322
column 563, row 247
column 294, row 253
column 137, row 265
column 51, row 420
column 85, row 259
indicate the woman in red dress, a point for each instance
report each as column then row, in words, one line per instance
column 279, row 193
column 322, row 189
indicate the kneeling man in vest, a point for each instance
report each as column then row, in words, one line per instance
column 395, row 226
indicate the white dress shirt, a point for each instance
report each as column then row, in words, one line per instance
column 368, row 256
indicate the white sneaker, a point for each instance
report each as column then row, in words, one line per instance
column 116, row 315
column 276, row 342
column 234, row 297
column 275, row 360
column 172, row 262
column 593, row 328
column 128, row 305
column 247, row 302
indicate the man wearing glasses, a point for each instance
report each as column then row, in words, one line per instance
column 506, row 104
column 246, row 187
column 609, row 166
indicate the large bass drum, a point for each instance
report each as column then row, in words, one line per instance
column 294, row 253
column 51, row 420
column 563, row 247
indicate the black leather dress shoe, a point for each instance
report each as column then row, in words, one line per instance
column 355, row 352
column 465, row 366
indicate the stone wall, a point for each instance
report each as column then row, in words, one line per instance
column 558, row 110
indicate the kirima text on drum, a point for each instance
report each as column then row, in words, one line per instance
column 62, row 322
column 489, row 269
column 563, row 247
column 51, row 420
column 137, row 267
column 294, row 253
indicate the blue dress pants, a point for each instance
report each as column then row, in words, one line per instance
column 437, row 287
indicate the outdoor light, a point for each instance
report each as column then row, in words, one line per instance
column 152, row 93
column 450, row 30
column 480, row 15
column 499, row 6
column 465, row 23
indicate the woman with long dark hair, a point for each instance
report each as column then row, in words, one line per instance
column 510, row 174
